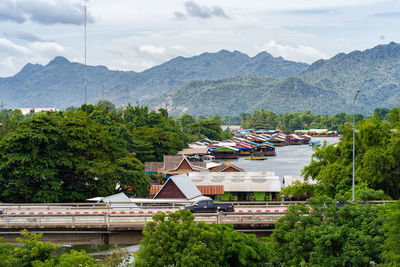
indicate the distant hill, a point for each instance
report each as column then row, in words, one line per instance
column 327, row 86
column 60, row 82
column 376, row 72
column 244, row 94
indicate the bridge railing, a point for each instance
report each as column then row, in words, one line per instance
column 109, row 220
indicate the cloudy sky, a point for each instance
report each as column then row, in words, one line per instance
column 138, row 34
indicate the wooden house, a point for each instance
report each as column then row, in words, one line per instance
column 226, row 167
column 175, row 164
column 241, row 186
column 178, row 187
column 245, row 149
column 212, row 191
column 225, row 153
column 264, row 149
column 294, row 139
column 278, row 141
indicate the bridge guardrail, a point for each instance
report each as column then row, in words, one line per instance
column 109, row 220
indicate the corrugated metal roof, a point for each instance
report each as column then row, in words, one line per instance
column 211, row 189
column 121, row 197
column 247, row 145
column 268, row 143
column 194, row 151
column 204, row 189
column 239, row 181
column 253, row 143
column 186, row 186
column 224, row 166
column 153, row 166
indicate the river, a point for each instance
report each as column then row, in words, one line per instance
column 289, row 160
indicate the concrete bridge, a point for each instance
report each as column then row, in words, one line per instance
column 87, row 223
column 119, row 227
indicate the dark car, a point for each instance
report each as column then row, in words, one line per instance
column 1, row 211
column 208, row 206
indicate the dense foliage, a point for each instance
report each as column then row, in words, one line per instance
column 34, row 253
column 289, row 122
column 391, row 246
column 179, row 241
column 236, row 95
column 328, row 236
column 377, row 160
column 94, row 150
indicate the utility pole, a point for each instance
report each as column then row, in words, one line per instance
column 102, row 92
column 123, row 108
column 354, row 147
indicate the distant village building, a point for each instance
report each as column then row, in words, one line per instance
column 226, row 167
column 240, row 186
column 26, row 111
column 175, row 164
column 178, row 187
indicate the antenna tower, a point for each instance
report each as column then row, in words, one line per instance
column 85, row 18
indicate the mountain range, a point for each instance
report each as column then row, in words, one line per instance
column 225, row 82
column 325, row 87
column 60, row 83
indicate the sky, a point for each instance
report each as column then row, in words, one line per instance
column 138, row 34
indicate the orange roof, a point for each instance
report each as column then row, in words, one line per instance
column 204, row 189
column 211, row 189
column 154, row 189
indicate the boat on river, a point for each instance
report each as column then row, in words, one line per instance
column 256, row 158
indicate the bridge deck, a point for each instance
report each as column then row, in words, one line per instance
column 128, row 221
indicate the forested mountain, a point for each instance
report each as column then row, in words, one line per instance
column 327, row 86
column 244, row 94
column 60, row 83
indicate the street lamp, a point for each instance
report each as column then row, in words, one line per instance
column 354, row 147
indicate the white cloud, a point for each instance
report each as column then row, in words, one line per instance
column 300, row 52
column 12, row 48
column 16, row 55
column 151, row 49
column 45, row 12
column 48, row 48
column 201, row 11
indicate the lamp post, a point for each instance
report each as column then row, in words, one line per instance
column 354, row 131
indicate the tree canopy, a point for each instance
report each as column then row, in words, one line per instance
column 328, row 236
column 376, row 162
column 177, row 240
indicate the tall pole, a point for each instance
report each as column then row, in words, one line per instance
column 85, row 86
column 354, row 134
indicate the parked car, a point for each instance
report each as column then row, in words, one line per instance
column 208, row 206
column 1, row 212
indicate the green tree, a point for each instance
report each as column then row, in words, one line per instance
column 298, row 189
column 186, row 120
column 68, row 156
column 32, row 252
column 328, row 236
column 391, row 246
column 377, row 157
column 180, row 241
